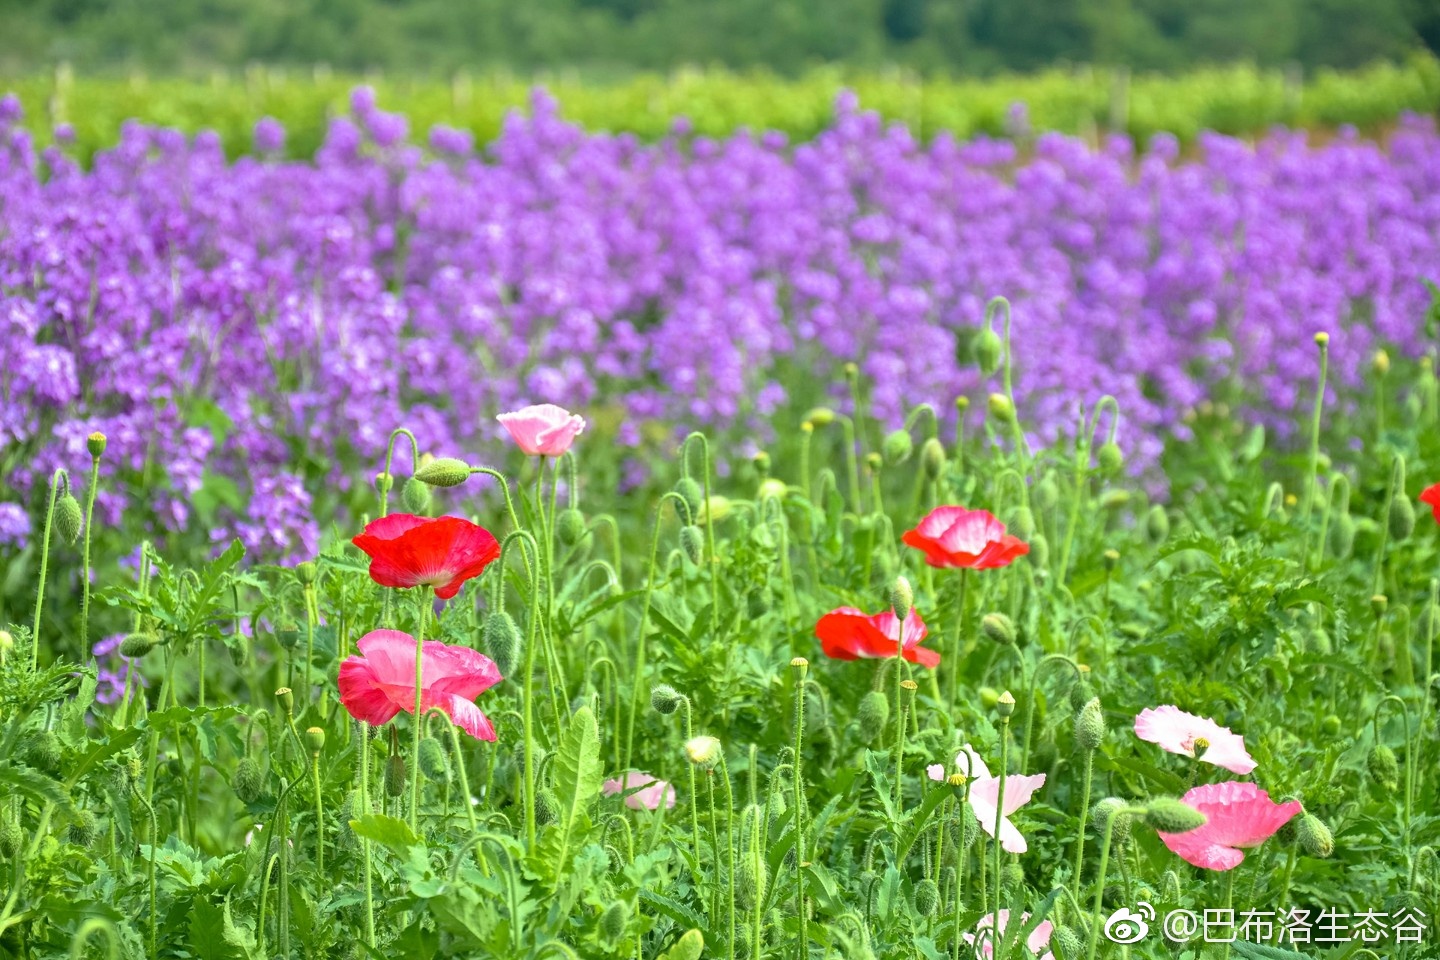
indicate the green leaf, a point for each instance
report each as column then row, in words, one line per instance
column 389, row 832
column 207, row 932
column 676, row 911
column 1161, row 778
column 915, row 824
column 577, row 779
column 1246, row 950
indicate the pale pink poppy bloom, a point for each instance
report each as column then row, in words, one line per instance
column 544, row 430
column 1176, row 731
column 1240, row 815
column 654, row 792
column 987, row 930
column 380, row 683
column 985, row 791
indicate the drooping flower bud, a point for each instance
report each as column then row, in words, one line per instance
column 547, row 808
column 384, row 483
column 43, row 751
column 1039, row 552
column 136, row 645
column 83, row 828
column 753, row 880
column 898, row 447
column 932, row 458
column 821, row 416
column 247, row 781
column 1012, row 876
column 1380, row 362
column 444, row 472
column 570, row 526
column 614, row 920
column 1384, row 767
column 1110, row 809
column 1024, row 523
column 873, row 715
column 988, row 350
column 902, row 598
column 692, row 493
column 314, row 740
column 927, row 897
column 703, row 751
column 999, row 628
column 1111, row 559
column 1171, row 816
column 1402, row 518
column 502, row 639
column 1090, row 725
column 665, row 699
column 415, row 496
column 1314, row 837
column 1157, row 525
column 433, row 762
column 10, row 836
column 95, row 444
column 1110, row 457
column 692, row 543
column 395, row 775
column 1000, row 407
column 1342, row 536
column 1170, row 887
column 714, row 510
column 68, row 518
column 1066, row 943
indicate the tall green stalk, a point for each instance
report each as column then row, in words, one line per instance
column 1322, row 341
column 96, row 445
column 58, row 477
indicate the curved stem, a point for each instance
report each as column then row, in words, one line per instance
column 59, row 476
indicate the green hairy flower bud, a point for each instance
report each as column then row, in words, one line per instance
column 43, row 752
column 898, row 447
column 394, row 776
column 1314, row 837
column 68, row 518
column 247, row 782
column 692, row 542
column 989, row 696
column 1090, row 725
column 927, row 897
column 703, row 751
column 932, row 458
column 136, row 645
column 1046, row 493
column 692, row 493
column 1110, row 808
column 998, row 627
column 1170, row 887
column 1384, row 767
column 83, row 828
column 873, row 716
column 614, row 920
column 1110, row 457
column 1066, row 944
column 689, row 947
column 1012, row 876
column 1342, row 535
column 1039, row 551
column 501, row 637
column 988, row 350
column 902, row 597
column 415, row 496
column 1402, row 518
column 1172, row 816
column 751, row 882
column 665, row 699
column 1157, row 525
column 570, row 526
column 10, row 837
column 1024, row 523
column 547, row 809
column 1330, row 726
column 444, row 472
column 433, row 762
column 1000, row 407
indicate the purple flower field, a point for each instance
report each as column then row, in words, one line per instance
column 269, row 321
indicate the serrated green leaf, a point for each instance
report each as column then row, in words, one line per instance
column 206, row 932
column 389, row 832
column 577, row 776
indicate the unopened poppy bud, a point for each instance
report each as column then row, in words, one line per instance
column 287, row 700
column 614, row 920
column 873, row 462
column 898, row 447
column 1114, row 499
column 444, row 472
column 873, row 715
column 1046, row 493
column 1322, row 339
column 83, row 828
column 384, row 482
column 10, row 837
column 1170, row 887
column 1024, row 523
column 1314, row 837
column 314, row 740
column 989, row 696
column 1012, row 876
column 988, row 349
column 1000, row 407
column 821, row 416
column 1169, row 815
column 1110, row 457
column 665, row 699
column 927, row 897
column 1330, row 725
column 703, row 751
column 1005, row 705
column 44, row 751
column 1342, row 536
column 415, row 496
column 1067, row 943
column 68, row 518
column 570, row 526
column 501, row 637
column 1402, row 519
column 772, row 489
column 247, row 782
column 95, row 443
column 1157, row 525
column 692, row 493
column 692, row 542
column 1090, row 725
column 753, row 880
column 902, row 598
column 306, row 572
column 1380, row 363
column 1039, row 551
column 1378, row 604
column 433, row 762
column 932, row 458
column 1111, row 559
column 717, row 508
column 136, row 645
column 395, row 776
column 998, row 627
column 1384, row 767
column 761, row 460
column 1109, row 811
column 547, row 808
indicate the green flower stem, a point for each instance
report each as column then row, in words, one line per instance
column 365, row 843
column 999, row 821
column 264, row 900
column 694, row 792
column 730, row 848
column 527, row 696
column 711, row 560
column 460, row 765
column 1395, row 488
column 798, row 776
column 150, row 869
column 638, row 675
column 1083, row 444
column 58, row 477
column 952, row 691
column 899, row 720
column 422, row 604
column 1409, row 754
column 389, row 481
column 319, row 815
column 1034, row 685
column 962, row 860
column 1312, row 470
column 852, row 460
column 1100, row 876
column 1286, row 877
column 1086, row 778
column 90, row 492
column 91, row 926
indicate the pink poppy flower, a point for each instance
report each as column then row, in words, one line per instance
column 1176, row 731
column 544, row 430
column 985, row 791
column 849, row 634
column 988, row 929
column 654, row 792
column 970, row 539
column 380, row 682
column 410, row 551
column 1240, row 815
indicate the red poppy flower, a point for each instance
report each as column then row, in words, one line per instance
column 444, row 552
column 1431, row 496
column 850, row 634
column 973, row 539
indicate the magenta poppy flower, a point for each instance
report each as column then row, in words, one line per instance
column 1240, row 815
column 654, row 792
column 1176, row 731
column 1431, row 498
column 411, row 551
column 544, row 430
column 993, row 925
column 969, row 539
column 380, row 682
column 850, row 634
column 985, row 791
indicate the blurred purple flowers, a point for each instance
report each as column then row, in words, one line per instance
column 271, row 321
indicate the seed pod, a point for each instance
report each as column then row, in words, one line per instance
column 83, row 828
column 1090, row 725
column 415, row 496
column 1172, row 816
column 988, row 348
column 68, row 518
column 927, row 897
column 999, row 628
column 693, row 494
column 136, row 645
column 288, row 633
column 1402, row 518
column 614, row 920
column 547, row 809
column 247, row 782
column 444, row 472
column 665, row 699
column 306, row 572
column 873, row 715
column 898, row 447
column 1314, row 837
column 95, row 444
column 692, row 542
column 501, row 637
column 1004, row 704
column 1384, row 767
column 433, row 762
column 394, row 776
column 1157, row 525
column 570, row 526
column 314, row 740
